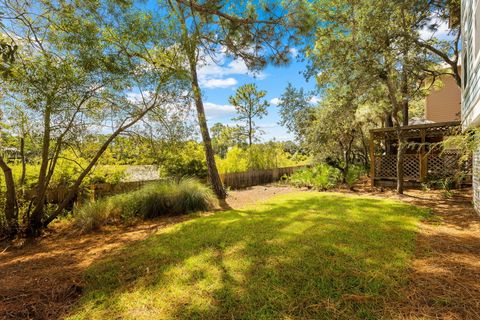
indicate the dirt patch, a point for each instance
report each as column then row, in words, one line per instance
column 41, row 279
column 240, row 198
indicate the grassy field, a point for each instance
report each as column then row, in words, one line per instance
column 305, row 255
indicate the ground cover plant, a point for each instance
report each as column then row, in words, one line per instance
column 304, row 255
column 153, row 200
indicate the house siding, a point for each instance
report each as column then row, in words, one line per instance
column 471, row 90
column 443, row 103
column 471, row 85
column 476, row 180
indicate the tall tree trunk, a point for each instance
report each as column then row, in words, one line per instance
column 214, row 177
column 11, row 211
column 405, row 113
column 388, row 120
column 250, row 133
column 24, row 162
column 396, row 108
column 405, row 103
column 35, row 221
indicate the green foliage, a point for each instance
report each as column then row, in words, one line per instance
column 353, row 174
column 249, row 105
column 154, row 200
column 225, row 137
column 188, row 159
column 295, row 110
column 320, row 177
column 259, row 157
column 302, row 249
column 66, row 173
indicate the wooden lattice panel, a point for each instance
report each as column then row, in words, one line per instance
column 447, row 164
column 386, row 166
column 411, row 166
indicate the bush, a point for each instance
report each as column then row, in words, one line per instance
column 321, row 177
column 354, row 173
column 154, row 200
column 258, row 157
column 189, row 160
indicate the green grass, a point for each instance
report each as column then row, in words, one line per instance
column 305, row 255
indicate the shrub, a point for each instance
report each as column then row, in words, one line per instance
column 154, row 200
column 321, row 177
column 354, row 173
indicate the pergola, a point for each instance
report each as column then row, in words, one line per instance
column 424, row 158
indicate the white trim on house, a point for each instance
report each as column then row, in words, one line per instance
column 476, row 32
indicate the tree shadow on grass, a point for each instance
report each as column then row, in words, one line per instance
column 308, row 256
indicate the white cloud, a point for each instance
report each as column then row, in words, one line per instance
column 314, row 100
column 134, row 97
column 219, row 83
column 217, row 69
column 267, row 125
column 294, row 52
column 442, row 31
column 275, row 101
column 215, row 111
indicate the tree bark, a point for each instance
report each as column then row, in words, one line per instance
column 213, row 175
column 388, row 120
column 250, row 133
column 405, row 103
column 23, row 160
column 396, row 107
column 11, row 211
column 35, row 220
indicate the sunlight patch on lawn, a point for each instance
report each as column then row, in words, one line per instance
column 304, row 255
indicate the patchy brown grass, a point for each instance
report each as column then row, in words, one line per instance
column 444, row 281
column 41, row 279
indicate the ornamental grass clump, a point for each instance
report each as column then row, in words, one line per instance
column 154, row 200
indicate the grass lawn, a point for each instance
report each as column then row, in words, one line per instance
column 304, row 255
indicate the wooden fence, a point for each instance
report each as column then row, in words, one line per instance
column 256, row 177
column 232, row 180
column 92, row 192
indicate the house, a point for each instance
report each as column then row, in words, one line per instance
column 470, row 20
column 425, row 161
column 444, row 101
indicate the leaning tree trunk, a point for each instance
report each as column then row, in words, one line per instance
column 405, row 104
column 11, row 212
column 214, row 177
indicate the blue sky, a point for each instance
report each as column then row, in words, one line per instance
column 220, row 78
